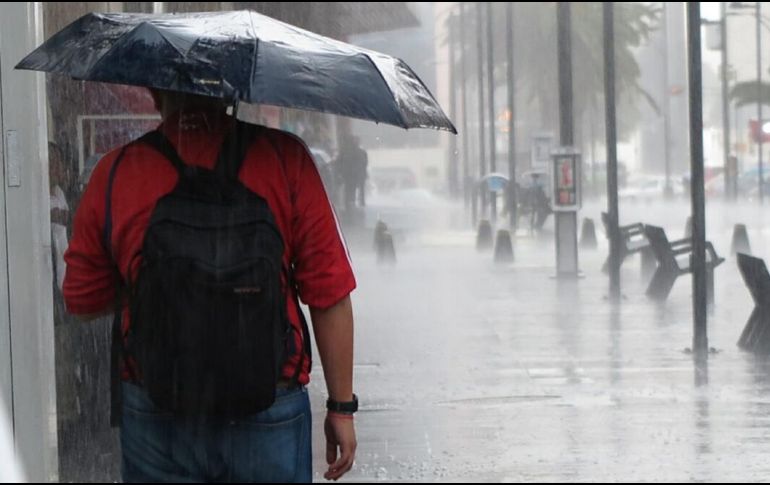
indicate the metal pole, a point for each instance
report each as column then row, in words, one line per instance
column 482, row 140
column 668, row 190
column 700, row 339
column 761, row 130
column 564, row 19
column 735, row 128
column 566, row 222
column 612, row 149
column 592, row 129
column 491, row 113
column 729, row 175
column 739, row 135
column 464, row 103
column 452, row 168
column 513, row 206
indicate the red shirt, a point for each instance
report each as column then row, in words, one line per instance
column 290, row 184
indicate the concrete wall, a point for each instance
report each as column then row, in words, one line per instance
column 27, row 349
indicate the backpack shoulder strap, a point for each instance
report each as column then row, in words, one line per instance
column 307, row 348
column 107, row 234
column 234, row 149
column 116, row 396
column 162, row 145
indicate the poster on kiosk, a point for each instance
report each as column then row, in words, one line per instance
column 566, row 177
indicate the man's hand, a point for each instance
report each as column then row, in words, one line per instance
column 340, row 445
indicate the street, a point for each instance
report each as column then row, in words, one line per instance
column 467, row 371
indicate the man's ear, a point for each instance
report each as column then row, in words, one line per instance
column 157, row 99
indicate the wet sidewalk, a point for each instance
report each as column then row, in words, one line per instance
column 469, row 371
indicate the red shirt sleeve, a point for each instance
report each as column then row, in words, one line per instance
column 89, row 283
column 322, row 269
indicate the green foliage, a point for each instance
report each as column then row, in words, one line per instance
column 535, row 34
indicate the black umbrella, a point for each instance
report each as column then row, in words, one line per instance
column 241, row 56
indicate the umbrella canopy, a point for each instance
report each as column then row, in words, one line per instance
column 241, row 56
column 496, row 182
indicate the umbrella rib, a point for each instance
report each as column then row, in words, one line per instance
column 255, row 57
column 123, row 39
column 109, row 51
column 451, row 126
column 392, row 96
column 160, row 33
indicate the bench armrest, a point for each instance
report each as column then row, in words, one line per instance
column 681, row 242
column 681, row 251
column 713, row 253
column 633, row 227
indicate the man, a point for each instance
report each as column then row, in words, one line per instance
column 353, row 161
column 361, row 171
column 59, row 210
column 273, row 445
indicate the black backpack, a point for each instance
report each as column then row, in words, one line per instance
column 209, row 332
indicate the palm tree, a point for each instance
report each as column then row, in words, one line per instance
column 746, row 93
column 535, row 53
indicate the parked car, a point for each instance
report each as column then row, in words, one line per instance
column 649, row 188
column 389, row 179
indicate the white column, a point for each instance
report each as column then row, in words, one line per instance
column 26, row 270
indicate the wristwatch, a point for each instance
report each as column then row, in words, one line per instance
column 342, row 407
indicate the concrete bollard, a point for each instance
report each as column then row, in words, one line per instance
column 484, row 236
column 588, row 235
column 503, row 247
column 688, row 228
column 386, row 250
column 740, row 242
column 383, row 244
column 379, row 230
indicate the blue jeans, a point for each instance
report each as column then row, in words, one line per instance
column 271, row 446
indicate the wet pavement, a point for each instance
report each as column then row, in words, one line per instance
column 468, row 371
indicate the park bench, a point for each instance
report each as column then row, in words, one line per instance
column 674, row 260
column 633, row 240
column 756, row 334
